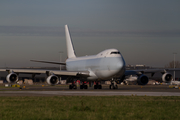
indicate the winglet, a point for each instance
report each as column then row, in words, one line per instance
column 70, row 48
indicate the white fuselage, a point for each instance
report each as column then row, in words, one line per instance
column 103, row 66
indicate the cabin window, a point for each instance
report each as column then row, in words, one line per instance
column 115, row 52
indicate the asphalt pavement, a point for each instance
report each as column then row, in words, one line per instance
column 63, row 90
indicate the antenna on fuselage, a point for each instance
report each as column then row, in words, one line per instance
column 69, row 44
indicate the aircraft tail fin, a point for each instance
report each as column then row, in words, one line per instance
column 69, row 43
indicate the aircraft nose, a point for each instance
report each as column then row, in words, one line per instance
column 120, row 64
column 117, row 65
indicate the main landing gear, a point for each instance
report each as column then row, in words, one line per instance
column 113, row 84
column 97, row 86
column 73, row 85
column 83, row 86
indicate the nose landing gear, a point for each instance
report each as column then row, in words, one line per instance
column 113, row 84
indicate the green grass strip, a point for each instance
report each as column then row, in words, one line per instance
column 90, row 108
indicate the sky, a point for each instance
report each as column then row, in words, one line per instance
column 144, row 31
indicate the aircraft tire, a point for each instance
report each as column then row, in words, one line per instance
column 112, row 87
column 81, row 86
column 85, row 86
column 70, row 86
column 75, row 87
column 100, row 86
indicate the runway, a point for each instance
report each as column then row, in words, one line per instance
column 85, row 93
column 62, row 90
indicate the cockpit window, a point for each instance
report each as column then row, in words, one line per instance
column 115, row 52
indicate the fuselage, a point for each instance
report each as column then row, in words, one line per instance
column 105, row 65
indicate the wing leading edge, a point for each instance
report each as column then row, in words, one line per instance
column 40, row 71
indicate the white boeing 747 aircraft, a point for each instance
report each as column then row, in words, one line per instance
column 107, row 65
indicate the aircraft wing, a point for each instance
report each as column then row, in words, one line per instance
column 59, row 63
column 143, row 79
column 53, row 75
column 145, row 71
column 41, row 71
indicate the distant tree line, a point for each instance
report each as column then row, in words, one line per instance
column 171, row 64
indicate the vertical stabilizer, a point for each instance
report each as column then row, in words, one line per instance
column 69, row 44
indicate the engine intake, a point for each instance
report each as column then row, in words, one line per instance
column 12, row 78
column 142, row 80
column 167, row 77
column 52, row 80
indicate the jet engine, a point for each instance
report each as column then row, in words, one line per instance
column 12, row 77
column 52, row 80
column 142, row 80
column 167, row 77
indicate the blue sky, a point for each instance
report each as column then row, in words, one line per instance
column 145, row 32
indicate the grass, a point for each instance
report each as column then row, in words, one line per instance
column 89, row 108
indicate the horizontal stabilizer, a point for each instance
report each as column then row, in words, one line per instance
column 59, row 63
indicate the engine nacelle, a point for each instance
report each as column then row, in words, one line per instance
column 142, row 80
column 167, row 77
column 52, row 80
column 12, row 78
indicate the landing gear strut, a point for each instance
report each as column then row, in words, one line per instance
column 97, row 86
column 113, row 84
